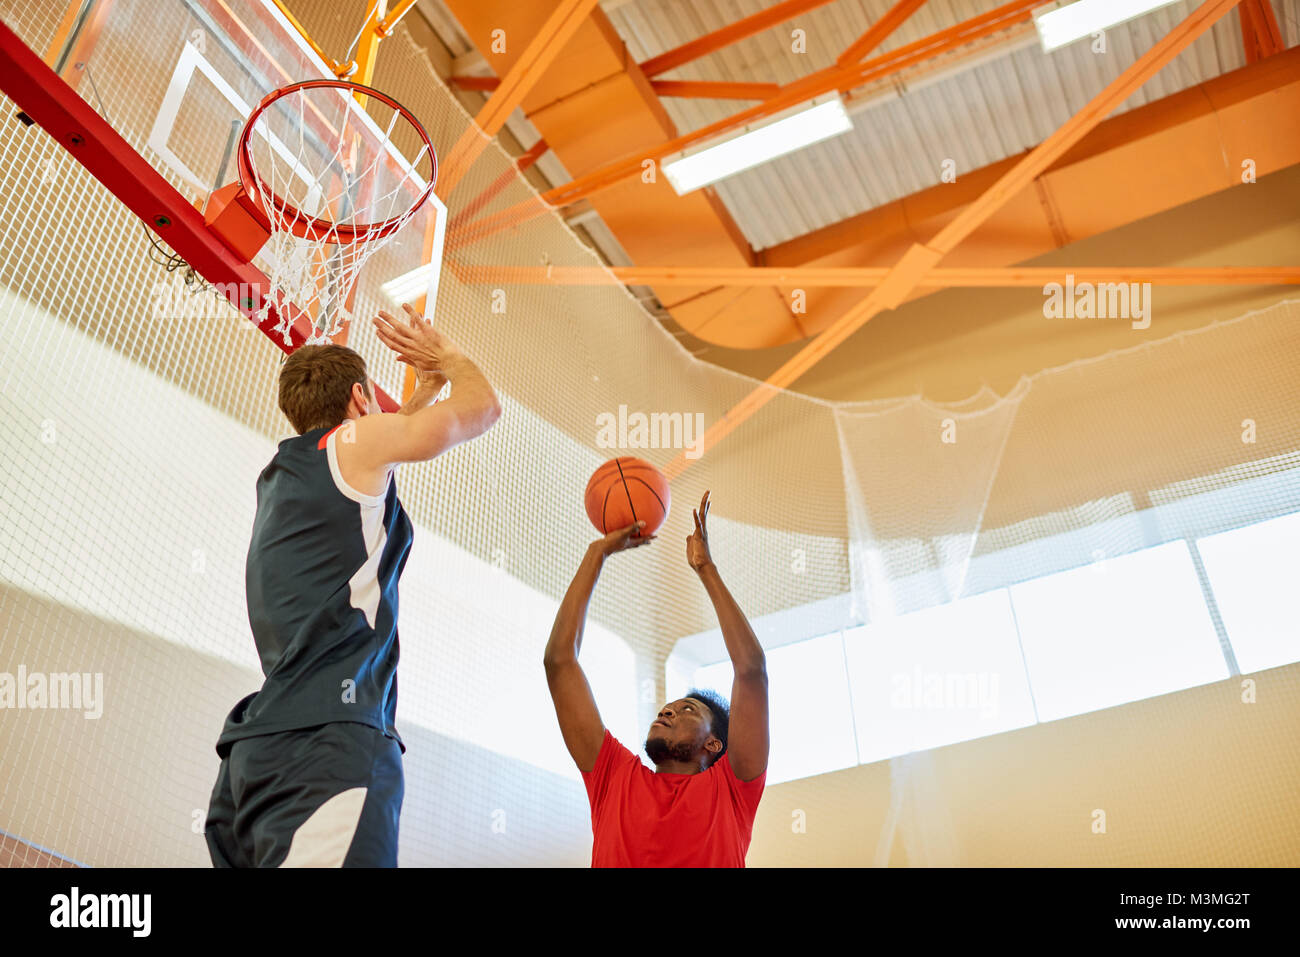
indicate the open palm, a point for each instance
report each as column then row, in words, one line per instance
column 697, row 543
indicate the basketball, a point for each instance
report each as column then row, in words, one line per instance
column 627, row 490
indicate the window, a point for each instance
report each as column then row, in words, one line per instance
column 1116, row 631
column 808, row 704
column 1253, row 573
column 936, row 677
column 1080, row 640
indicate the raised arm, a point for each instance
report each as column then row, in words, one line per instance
column 423, row 429
column 748, row 738
column 428, row 386
column 575, row 706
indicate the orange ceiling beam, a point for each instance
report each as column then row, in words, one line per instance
column 824, row 81
column 919, row 260
column 1259, row 30
column 1117, row 174
column 484, row 84
column 385, row 26
column 493, row 189
column 594, row 106
column 802, row 90
column 704, row 89
column 532, row 155
column 869, row 276
column 944, row 62
column 545, row 46
column 728, row 35
column 732, row 33
column 1101, row 106
column 893, row 19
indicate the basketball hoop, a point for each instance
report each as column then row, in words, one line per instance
column 327, row 181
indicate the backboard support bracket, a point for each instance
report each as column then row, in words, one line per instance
column 230, row 213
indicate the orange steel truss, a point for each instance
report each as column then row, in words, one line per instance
column 919, row 261
column 882, row 28
column 732, row 33
column 831, row 79
column 1259, row 31
column 707, row 89
column 870, row 276
column 540, row 53
column 841, row 78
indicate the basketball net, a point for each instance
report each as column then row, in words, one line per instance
column 335, row 189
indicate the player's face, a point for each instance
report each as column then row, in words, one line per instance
column 680, row 731
column 373, row 407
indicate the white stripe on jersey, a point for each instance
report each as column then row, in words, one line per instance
column 364, row 584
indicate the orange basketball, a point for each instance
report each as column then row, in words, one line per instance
column 627, row 490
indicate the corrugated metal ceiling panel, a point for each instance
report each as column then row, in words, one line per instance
column 986, row 113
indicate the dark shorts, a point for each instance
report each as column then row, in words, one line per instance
column 328, row 796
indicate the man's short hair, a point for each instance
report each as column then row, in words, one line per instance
column 316, row 385
column 721, row 712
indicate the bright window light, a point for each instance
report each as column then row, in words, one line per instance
column 1120, row 630
column 803, row 126
column 809, row 712
column 1252, row 571
column 1061, row 26
column 938, row 676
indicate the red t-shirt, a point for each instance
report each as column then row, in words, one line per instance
column 644, row 819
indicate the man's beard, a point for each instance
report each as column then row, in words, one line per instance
column 659, row 750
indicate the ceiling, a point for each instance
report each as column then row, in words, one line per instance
column 973, row 107
column 977, row 115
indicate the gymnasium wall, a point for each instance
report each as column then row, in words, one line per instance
column 1198, row 778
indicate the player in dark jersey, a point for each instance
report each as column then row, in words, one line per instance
column 696, row 809
column 311, row 768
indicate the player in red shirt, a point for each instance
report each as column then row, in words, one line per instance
column 696, row 809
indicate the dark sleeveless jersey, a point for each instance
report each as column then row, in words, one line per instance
column 321, row 579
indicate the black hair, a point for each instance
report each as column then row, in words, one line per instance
column 721, row 712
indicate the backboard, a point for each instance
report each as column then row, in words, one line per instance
column 176, row 80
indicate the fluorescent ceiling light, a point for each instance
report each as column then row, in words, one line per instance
column 1060, row 26
column 785, row 133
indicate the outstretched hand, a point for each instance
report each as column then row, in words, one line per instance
column 417, row 343
column 622, row 539
column 697, row 543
